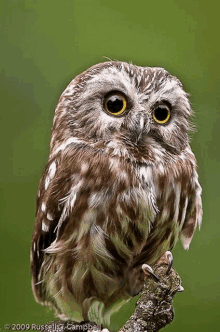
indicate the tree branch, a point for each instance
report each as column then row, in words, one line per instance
column 154, row 308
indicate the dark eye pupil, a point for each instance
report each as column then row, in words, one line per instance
column 115, row 104
column 161, row 113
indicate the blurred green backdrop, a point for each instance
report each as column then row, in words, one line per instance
column 44, row 45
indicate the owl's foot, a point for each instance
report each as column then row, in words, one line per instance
column 167, row 258
column 148, row 271
column 94, row 311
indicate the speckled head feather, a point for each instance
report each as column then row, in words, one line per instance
column 119, row 188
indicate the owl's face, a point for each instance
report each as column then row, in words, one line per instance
column 130, row 110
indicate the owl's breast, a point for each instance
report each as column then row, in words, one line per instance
column 120, row 216
column 111, row 208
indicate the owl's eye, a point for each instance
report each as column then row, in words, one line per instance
column 115, row 103
column 161, row 114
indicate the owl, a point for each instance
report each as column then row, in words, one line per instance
column 119, row 188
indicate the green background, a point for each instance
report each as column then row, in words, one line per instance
column 44, row 45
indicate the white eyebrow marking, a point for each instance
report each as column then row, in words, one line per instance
column 141, row 122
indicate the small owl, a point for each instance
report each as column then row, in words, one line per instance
column 119, row 188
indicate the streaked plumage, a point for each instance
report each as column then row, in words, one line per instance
column 117, row 191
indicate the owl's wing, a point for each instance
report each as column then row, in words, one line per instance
column 193, row 213
column 75, row 183
column 54, row 186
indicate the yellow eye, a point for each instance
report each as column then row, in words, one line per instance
column 115, row 103
column 161, row 114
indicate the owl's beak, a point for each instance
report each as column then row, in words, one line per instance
column 142, row 123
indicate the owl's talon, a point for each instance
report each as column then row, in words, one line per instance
column 148, row 270
column 167, row 259
column 170, row 261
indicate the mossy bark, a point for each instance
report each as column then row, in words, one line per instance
column 154, row 308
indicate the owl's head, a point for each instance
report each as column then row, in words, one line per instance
column 125, row 109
